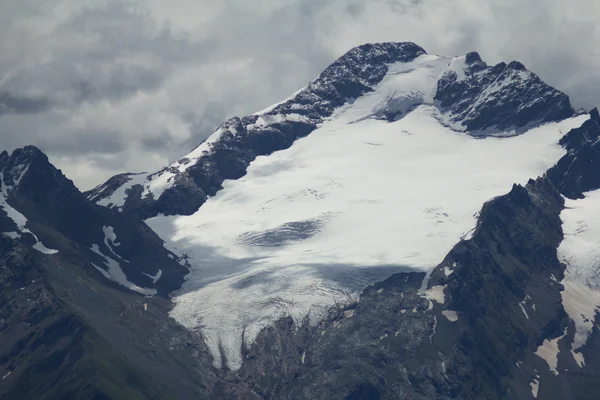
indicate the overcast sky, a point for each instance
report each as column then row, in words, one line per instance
column 105, row 87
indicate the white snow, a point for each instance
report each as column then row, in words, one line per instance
column 580, row 251
column 156, row 184
column 549, row 352
column 20, row 173
column 154, row 278
column 458, row 66
column 535, row 386
column 118, row 197
column 523, row 309
column 39, row 246
column 356, row 200
column 523, row 303
column 435, row 293
column 109, row 234
column 116, row 274
column 18, row 218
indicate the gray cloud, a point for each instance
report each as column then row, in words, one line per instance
column 111, row 86
column 22, row 105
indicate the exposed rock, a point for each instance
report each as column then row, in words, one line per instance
column 489, row 99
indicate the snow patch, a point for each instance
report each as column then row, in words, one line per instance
column 523, row 309
column 523, row 303
column 19, row 219
column 118, row 197
column 450, row 315
column 116, row 274
column 435, row 293
column 549, row 352
column 109, row 234
column 448, row 271
column 535, row 386
column 154, row 278
column 43, row 249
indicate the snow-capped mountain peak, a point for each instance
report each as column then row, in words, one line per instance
column 469, row 95
column 298, row 207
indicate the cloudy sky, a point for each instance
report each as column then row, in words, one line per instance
column 111, row 86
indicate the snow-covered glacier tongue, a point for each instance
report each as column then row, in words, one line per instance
column 379, row 165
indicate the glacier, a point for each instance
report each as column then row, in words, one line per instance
column 385, row 184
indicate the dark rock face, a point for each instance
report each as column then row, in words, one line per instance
column 62, row 218
column 579, row 170
column 499, row 98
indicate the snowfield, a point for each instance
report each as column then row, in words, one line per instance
column 580, row 251
column 355, row 201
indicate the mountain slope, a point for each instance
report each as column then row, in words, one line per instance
column 78, row 313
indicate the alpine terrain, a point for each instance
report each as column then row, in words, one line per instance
column 406, row 226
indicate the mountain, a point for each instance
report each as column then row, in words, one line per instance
column 387, row 133
column 84, row 297
column 406, row 226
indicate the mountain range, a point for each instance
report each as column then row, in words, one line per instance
column 406, row 226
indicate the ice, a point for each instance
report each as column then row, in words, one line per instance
column 116, row 274
column 278, row 240
column 580, row 251
column 353, row 202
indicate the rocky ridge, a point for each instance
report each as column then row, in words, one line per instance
column 471, row 96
